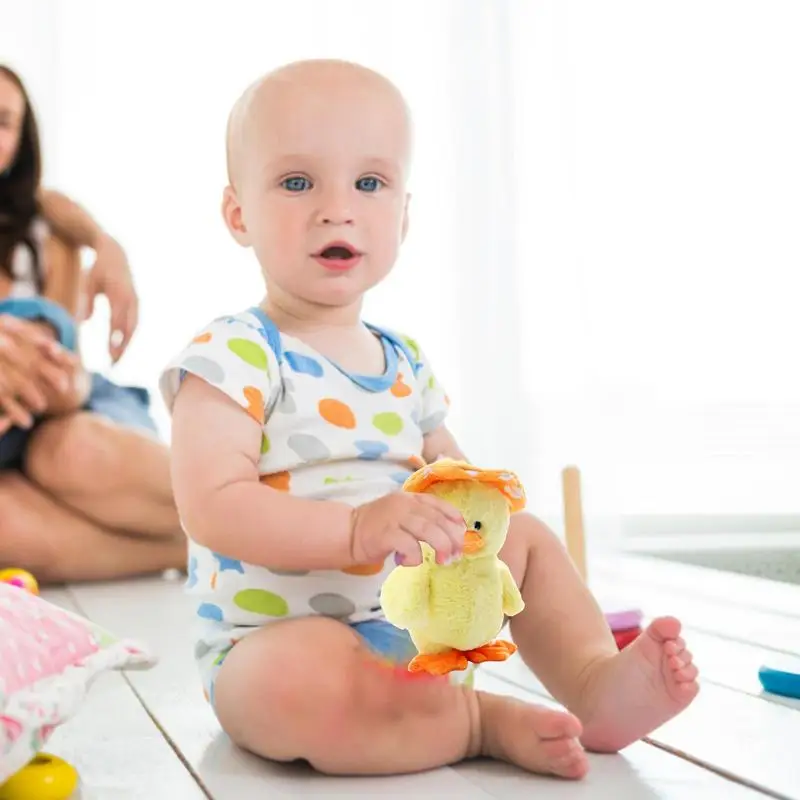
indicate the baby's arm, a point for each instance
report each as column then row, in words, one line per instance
column 222, row 505
column 441, row 443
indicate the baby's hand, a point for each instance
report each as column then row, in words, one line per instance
column 398, row 522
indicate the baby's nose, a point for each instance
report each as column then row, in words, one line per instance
column 337, row 219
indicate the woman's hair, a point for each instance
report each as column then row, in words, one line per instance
column 19, row 186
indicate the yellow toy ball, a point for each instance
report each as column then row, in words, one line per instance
column 46, row 777
column 21, row 578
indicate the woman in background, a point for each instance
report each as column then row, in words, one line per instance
column 85, row 489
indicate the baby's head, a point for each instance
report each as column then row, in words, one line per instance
column 318, row 154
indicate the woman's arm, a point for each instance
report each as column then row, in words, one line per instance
column 63, row 286
column 70, row 221
column 62, row 283
column 110, row 275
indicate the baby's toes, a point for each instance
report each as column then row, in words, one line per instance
column 565, row 757
column 674, row 647
column 679, row 661
column 686, row 674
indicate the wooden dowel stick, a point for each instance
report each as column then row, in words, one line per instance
column 573, row 518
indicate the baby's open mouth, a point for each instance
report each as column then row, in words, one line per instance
column 338, row 251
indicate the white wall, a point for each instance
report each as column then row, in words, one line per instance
column 603, row 254
column 29, row 44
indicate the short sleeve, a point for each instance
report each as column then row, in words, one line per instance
column 233, row 356
column 435, row 402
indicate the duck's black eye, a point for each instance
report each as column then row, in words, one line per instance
column 477, row 526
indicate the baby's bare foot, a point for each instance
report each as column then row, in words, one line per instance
column 532, row 737
column 636, row 691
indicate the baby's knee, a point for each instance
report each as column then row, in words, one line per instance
column 526, row 534
column 289, row 691
column 284, row 691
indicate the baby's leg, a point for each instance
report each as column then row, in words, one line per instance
column 310, row 689
column 563, row 637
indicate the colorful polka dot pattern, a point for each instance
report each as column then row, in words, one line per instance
column 337, row 413
column 323, row 436
column 388, row 422
column 261, row 601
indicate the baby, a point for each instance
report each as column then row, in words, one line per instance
column 295, row 423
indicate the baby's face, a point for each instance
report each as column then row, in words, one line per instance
column 321, row 187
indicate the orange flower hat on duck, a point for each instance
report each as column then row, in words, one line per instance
column 446, row 469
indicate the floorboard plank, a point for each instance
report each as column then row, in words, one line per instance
column 641, row 771
column 729, row 640
column 116, row 747
column 727, row 731
column 157, row 611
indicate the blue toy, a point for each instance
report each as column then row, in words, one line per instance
column 782, row 678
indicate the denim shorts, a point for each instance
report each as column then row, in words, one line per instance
column 125, row 405
column 387, row 642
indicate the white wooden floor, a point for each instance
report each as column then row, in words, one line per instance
column 151, row 734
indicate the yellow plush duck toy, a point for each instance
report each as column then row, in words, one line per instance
column 454, row 612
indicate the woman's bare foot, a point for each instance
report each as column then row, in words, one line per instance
column 638, row 690
column 532, row 737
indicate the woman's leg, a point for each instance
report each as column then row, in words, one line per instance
column 116, row 476
column 58, row 545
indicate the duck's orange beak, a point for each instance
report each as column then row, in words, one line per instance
column 472, row 542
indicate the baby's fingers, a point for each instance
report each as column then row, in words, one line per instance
column 441, row 516
column 407, row 550
column 428, row 531
column 448, row 509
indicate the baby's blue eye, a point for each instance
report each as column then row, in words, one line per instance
column 296, row 184
column 369, row 184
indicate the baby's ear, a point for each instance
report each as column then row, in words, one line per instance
column 232, row 214
column 404, row 230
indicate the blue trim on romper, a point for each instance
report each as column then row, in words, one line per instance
column 371, row 383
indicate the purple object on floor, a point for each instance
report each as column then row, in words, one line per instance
column 624, row 619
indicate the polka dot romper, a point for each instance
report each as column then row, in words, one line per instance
column 327, row 435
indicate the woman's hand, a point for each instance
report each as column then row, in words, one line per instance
column 35, row 371
column 111, row 276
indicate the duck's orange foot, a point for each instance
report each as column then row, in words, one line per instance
column 439, row 663
column 498, row 650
